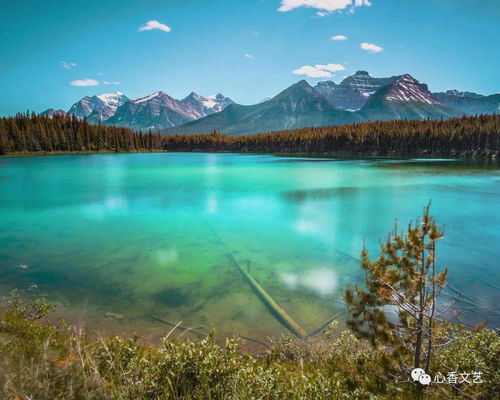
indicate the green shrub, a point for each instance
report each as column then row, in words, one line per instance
column 43, row 361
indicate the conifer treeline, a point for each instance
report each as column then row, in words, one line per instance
column 466, row 136
column 32, row 133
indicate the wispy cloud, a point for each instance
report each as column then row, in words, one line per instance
column 152, row 25
column 248, row 56
column 68, row 65
column 372, row 48
column 324, row 7
column 84, row 82
column 111, row 82
column 319, row 70
column 339, row 37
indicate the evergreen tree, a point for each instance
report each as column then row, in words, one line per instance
column 465, row 136
column 31, row 133
column 397, row 306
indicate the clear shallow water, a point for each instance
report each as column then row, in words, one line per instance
column 120, row 239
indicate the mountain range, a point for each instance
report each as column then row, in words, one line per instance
column 359, row 97
column 405, row 98
column 155, row 111
column 352, row 93
column 159, row 110
column 298, row 106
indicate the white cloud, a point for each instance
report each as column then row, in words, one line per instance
column 111, row 82
column 248, row 56
column 332, row 67
column 372, row 48
column 153, row 24
column 319, row 70
column 312, row 72
column 339, row 37
column 68, row 65
column 100, row 73
column 324, row 7
column 84, row 82
column 359, row 3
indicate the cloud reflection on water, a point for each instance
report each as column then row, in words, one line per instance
column 110, row 205
column 211, row 204
column 166, row 256
column 322, row 281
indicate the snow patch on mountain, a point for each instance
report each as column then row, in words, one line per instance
column 407, row 88
column 159, row 110
column 353, row 92
column 206, row 105
column 146, row 98
column 209, row 102
column 99, row 107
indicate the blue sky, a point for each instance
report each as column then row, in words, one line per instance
column 245, row 49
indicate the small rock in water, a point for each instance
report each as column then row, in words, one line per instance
column 22, row 266
column 113, row 315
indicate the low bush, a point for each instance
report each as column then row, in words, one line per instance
column 42, row 361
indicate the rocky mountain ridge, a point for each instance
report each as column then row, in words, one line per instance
column 359, row 97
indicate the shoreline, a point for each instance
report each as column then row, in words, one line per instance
column 490, row 157
column 57, row 153
column 423, row 155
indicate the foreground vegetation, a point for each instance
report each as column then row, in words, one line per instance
column 458, row 137
column 42, row 361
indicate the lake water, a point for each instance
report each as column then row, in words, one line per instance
column 122, row 241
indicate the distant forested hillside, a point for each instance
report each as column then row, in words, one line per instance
column 457, row 137
column 34, row 133
column 465, row 136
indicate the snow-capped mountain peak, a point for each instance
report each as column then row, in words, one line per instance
column 149, row 97
column 159, row 110
column 367, row 98
column 353, row 92
column 113, row 100
column 98, row 107
column 406, row 88
column 207, row 104
column 110, row 97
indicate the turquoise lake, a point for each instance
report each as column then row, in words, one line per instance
column 122, row 241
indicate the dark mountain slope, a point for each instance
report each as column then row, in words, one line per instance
column 353, row 92
column 406, row 98
column 296, row 107
column 470, row 103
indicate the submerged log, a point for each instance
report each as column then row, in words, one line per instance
column 197, row 332
column 178, row 326
column 491, row 285
column 269, row 302
column 324, row 326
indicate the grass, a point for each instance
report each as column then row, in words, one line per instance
column 41, row 361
